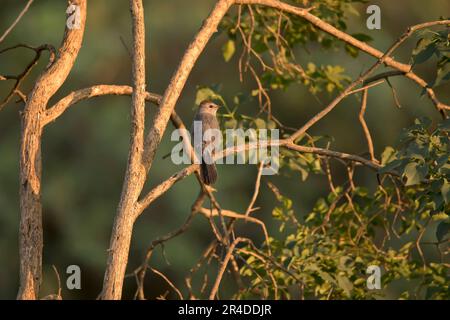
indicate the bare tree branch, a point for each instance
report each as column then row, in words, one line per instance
column 51, row 114
column 223, row 267
column 256, row 192
column 405, row 68
column 21, row 14
column 164, row 186
column 170, row 283
column 382, row 59
column 383, row 76
column 365, row 127
column 21, row 77
column 141, row 271
column 179, row 79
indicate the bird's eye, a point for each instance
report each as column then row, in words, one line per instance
column 210, row 106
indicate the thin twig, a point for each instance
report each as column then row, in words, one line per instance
column 223, row 267
column 170, row 283
column 21, row 77
column 257, row 186
column 21, row 14
column 365, row 127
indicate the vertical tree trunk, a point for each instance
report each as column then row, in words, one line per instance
column 142, row 153
column 135, row 173
column 30, row 232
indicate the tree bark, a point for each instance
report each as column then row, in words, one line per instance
column 140, row 160
column 135, row 173
column 30, row 231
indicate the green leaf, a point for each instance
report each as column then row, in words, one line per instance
column 231, row 124
column 442, row 230
column 277, row 213
column 445, row 125
column 271, row 124
column 311, row 67
column 348, row 7
column 391, row 166
column 362, row 37
column 345, row 263
column 296, row 167
column 228, row 50
column 204, row 94
column 330, row 87
column 423, row 122
column 345, row 284
column 388, row 155
column 207, row 93
column 351, row 50
column 287, row 262
column 260, row 123
column 414, row 173
column 443, row 74
column 445, row 191
column 440, row 216
column 424, row 50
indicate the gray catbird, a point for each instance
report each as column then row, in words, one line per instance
column 206, row 114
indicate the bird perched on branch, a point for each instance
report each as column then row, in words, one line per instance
column 204, row 131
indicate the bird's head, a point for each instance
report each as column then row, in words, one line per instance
column 209, row 107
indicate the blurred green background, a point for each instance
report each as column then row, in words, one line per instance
column 85, row 151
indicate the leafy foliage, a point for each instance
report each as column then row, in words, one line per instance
column 424, row 164
column 271, row 38
column 438, row 44
column 325, row 254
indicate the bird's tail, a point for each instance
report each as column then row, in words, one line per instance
column 208, row 173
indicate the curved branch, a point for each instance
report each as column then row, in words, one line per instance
column 365, row 127
column 141, row 271
column 30, row 233
column 364, row 76
column 223, row 267
column 382, row 76
column 163, row 187
column 328, row 28
column 170, row 283
column 51, row 114
column 256, row 191
column 334, row 154
column 179, row 79
column 231, row 214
